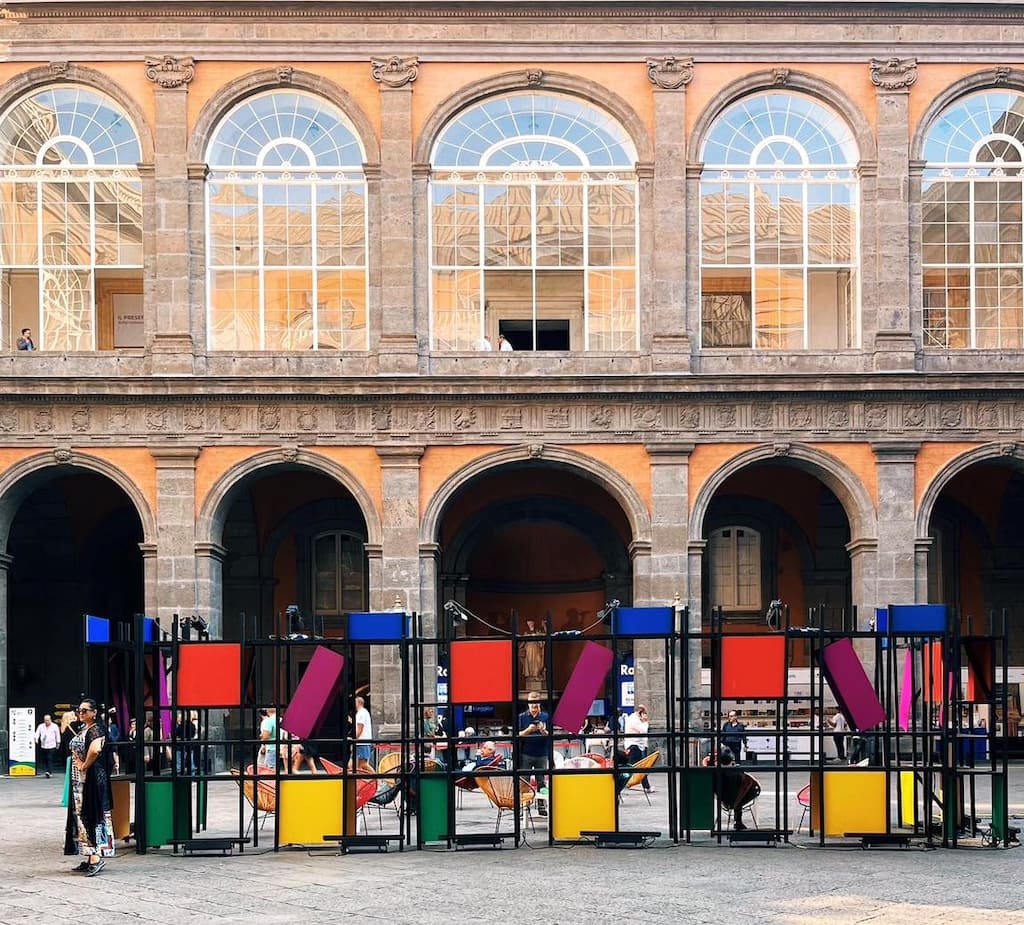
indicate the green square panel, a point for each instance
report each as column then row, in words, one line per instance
column 433, row 808
column 168, row 811
column 697, row 799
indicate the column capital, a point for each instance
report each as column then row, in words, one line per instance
column 696, row 548
column 670, row 72
column 170, row 73
column 893, row 75
column 900, row 451
column 394, row 457
column 148, row 550
column 668, row 454
column 395, row 72
column 862, row 546
column 175, row 457
column 374, row 551
column 199, row 171
column 5, row 561
column 211, row 551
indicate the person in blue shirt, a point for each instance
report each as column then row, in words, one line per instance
column 533, row 734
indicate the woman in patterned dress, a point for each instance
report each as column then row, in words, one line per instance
column 91, row 799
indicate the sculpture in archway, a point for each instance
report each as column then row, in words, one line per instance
column 532, row 667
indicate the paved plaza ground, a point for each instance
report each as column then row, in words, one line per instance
column 701, row 883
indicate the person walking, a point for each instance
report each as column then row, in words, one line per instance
column 364, row 733
column 48, row 740
column 734, row 735
column 839, row 730
column 91, row 798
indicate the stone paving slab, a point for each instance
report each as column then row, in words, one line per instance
column 707, row 883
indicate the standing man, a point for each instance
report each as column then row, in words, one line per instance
column 533, row 751
column 268, row 733
column 25, row 342
column 734, row 735
column 48, row 739
column 364, row 732
column 839, row 729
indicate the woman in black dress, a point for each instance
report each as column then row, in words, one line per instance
column 91, row 798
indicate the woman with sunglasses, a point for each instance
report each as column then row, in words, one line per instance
column 91, row 799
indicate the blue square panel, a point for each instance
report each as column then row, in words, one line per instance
column 387, row 626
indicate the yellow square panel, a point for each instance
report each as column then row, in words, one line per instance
column 582, row 803
column 908, row 798
column 308, row 809
column 854, row 801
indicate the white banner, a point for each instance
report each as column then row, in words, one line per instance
column 21, row 744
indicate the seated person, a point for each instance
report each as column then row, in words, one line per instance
column 487, row 756
column 733, row 787
column 623, row 769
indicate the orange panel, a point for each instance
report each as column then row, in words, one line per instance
column 480, row 671
column 753, row 666
column 933, row 672
column 209, row 674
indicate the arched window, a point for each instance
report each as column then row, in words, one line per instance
column 971, row 224
column 734, row 569
column 286, row 227
column 70, row 222
column 779, row 227
column 533, row 228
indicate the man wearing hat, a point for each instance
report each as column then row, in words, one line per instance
column 533, row 732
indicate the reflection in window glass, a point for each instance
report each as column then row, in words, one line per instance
column 286, row 228
column 734, row 567
column 70, row 205
column 779, row 227
column 971, row 251
column 533, row 228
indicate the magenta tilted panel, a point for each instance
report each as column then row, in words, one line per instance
column 315, row 694
column 584, row 687
column 851, row 686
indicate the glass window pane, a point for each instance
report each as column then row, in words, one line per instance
column 458, row 321
column 288, row 309
column 611, row 218
column 341, row 225
column 779, row 308
column 234, row 300
column 341, row 310
column 456, row 225
column 325, row 584
column 67, row 309
column 559, row 225
column 611, row 301
column 18, row 227
column 508, row 226
column 726, row 308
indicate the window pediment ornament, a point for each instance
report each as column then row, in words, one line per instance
column 169, row 72
column 395, row 71
column 60, row 69
column 893, row 73
column 670, row 73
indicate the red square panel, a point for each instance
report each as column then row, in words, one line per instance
column 753, row 666
column 480, row 671
column 209, row 674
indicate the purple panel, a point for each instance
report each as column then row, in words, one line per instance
column 315, row 694
column 164, row 697
column 851, row 686
column 907, row 691
column 586, row 682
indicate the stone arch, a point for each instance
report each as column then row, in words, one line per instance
column 535, row 80
column 839, row 478
column 48, row 75
column 215, row 507
column 619, row 488
column 990, row 451
column 24, row 477
column 784, row 80
column 239, row 89
column 997, row 78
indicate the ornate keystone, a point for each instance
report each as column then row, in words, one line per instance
column 59, row 69
column 893, row 73
column 780, row 76
column 62, row 456
column 670, row 73
column 285, row 73
column 534, row 77
column 536, row 450
column 395, row 72
column 170, row 72
column 1001, row 74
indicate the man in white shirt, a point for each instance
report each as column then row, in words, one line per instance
column 637, row 725
column 364, row 732
column 48, row 738
column 504, row 345
column 839, row 729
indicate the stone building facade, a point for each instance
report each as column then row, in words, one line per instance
column 761, row 266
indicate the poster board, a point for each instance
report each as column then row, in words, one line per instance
column 21, row 741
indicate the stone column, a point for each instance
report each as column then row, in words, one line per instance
column 894, row 347
column 398, row 350
column 669, row 534
column 5, row 565
column 896, row 525
column 670, row 341
column 400, row 564
column 167, row 291
column 210, row 591
column 694, row 599
column 176, row 589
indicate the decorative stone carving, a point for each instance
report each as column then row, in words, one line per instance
column 156, row 418
column 780, row 76
column 231, row 417
column 80, row 420
column 59, row 69
column 169, row 72
column 42, row 421
column 511, row 418
column 670, row 73
column 951, row 415
column 119, row 419
column 464, row 419
column 914, row 415
column 194, row 418
column 395, row 72
column 800, row 416
column 838, row 417
column 1007, row 449
column 306, row 419
column 536, row 450
column 1001, row 74
column 761, row 415
column 556, row 419
column 285, row 73
column 602, row 417
column 381, row 419
column 689, row 418
column 290, row 453
column 424, row 419
column 893, row 73
column 534, row 77
column 62, row 456
column 781, row 449
column 988, row 416
column 725, row 415
column 877, row 417
column 345, row 419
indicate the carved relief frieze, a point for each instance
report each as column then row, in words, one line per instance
column 838, row 417
column 42, row 420
column 762, row 415
column 395, row 71
column 725, row 417
column 81, row 419
column 231, row 418
column 156, row 418
column 987, row 416
column 602, row 417
column 169, row 72
column 876, row 417
column 307, row 419
column 893, row 73
column 951, row 415
column 689, row 417
column 381, row 418
column 510, row 419
column 345, row 420
column 464, row 419
column 556, row 418
column 194, row 418
column 9, row 420
column 801, row 416
column 268, row 417
column 915, row 415
column 670, row 73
